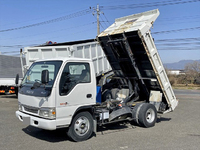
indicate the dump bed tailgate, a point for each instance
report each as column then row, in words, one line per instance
column 132, row 53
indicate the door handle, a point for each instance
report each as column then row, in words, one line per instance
column 89, row 95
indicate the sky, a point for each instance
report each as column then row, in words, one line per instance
column 23, row 23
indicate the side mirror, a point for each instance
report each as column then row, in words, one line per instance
column 45, row 76
column 17, row 79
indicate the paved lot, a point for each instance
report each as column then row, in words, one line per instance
column 179, row 130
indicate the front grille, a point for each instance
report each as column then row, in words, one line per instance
column 31, row 109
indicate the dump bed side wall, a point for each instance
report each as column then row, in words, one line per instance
column 91, row 50
column 159, row 69
column 10, row 66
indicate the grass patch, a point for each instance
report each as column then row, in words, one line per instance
column 186, row 87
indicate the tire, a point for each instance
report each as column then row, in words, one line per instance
column 135, row 113
column 147, row 115
column 81, row 127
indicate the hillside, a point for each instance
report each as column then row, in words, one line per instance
column 178, row 65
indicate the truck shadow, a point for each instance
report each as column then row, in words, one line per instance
column 60, row 135
column 46, row 135
column 8, row 96
column 114, row 127
column 161, row 119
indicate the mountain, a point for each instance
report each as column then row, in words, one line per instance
column 178, row 65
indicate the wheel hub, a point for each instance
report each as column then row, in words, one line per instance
column 150, row 115
column 81, row 126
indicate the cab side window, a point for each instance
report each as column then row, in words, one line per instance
column 73, row 74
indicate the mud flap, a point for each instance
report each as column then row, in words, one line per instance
column 121, row 113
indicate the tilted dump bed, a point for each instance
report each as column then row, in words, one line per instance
column 132, row 54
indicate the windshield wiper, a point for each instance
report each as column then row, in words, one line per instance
column 36, row 85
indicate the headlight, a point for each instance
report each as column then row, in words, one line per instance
column 49, row 113
column 20, row 106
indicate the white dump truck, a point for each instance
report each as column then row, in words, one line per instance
column 67, row 90
column 9, row 66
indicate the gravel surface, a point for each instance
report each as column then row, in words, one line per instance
column 178, row 130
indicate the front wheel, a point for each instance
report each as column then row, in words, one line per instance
column 81, row 127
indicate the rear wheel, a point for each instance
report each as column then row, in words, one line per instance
column 144, row 114
column 81, row 127
column 147, row 115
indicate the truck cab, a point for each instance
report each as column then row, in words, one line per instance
column 51, row 104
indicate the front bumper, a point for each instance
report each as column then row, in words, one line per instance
column 36, row 122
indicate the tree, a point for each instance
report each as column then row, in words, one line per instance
column 193, row 70
column 171, row 77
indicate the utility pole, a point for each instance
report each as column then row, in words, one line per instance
column 97, row 12
column 98, row 24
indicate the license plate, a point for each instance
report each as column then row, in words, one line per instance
column 26, row 120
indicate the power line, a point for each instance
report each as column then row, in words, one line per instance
column 19, row 46
column 10, row 52
column 52, row 31
column 178, row 39
column 178, row 44
column 63, row 13
column 179, row 49
column 162, row 41
column 101, row 25
column 180, row 18
column 9, row 46
column 77, row 14
column 162, row 44
column 177, row 22
column 106, row 19
column 105, row 22
column 178, row 30
column 144, row 5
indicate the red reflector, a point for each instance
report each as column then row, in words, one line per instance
column 10, row 91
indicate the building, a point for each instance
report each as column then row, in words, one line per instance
column 176, row 72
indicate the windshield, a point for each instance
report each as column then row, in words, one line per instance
column 34, row 73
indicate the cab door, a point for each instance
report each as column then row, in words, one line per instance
column 76, row 88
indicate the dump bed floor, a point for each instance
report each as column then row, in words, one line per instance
column 128, row 58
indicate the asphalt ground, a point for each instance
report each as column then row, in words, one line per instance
column 178, row 130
